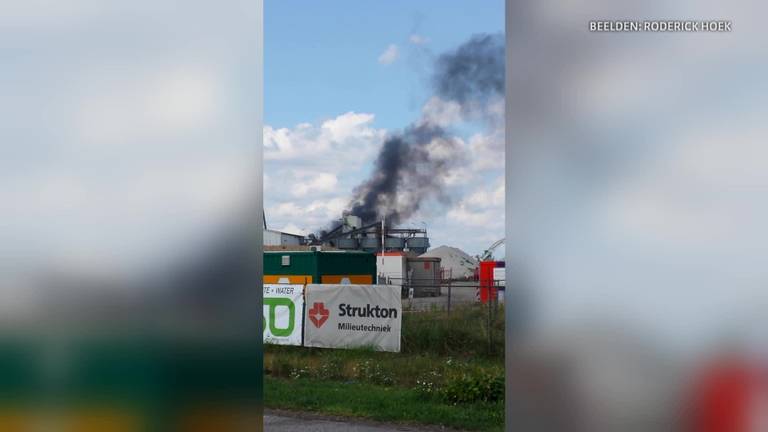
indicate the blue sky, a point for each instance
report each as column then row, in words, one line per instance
column 321, row 57
column 364, row 67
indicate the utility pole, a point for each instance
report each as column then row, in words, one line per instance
column 382, row 248
column 382, row 236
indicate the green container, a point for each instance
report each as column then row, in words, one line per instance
column 328, row 267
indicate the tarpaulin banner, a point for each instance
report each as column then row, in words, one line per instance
column 353, row 316
column 283, row 314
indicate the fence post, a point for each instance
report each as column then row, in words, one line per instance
column 449, row 296
column 490, row 336
column 304, row 310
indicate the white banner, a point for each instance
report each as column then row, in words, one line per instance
column 351, row 316
column 283, row 314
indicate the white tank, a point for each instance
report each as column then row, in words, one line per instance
column 351, row 222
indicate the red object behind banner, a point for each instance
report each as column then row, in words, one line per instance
column 487, row 287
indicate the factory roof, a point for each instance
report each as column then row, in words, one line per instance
column 305, row 249
column 284, row 233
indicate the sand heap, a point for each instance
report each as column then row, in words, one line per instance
column 459, row 263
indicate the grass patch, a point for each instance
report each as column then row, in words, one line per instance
column 391, row 404
column 385, row 369
column 465, row 332
column 450, row 372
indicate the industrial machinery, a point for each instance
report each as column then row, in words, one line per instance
column 488, row 254
column 351, row 234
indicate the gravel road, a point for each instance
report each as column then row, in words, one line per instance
column 282, row 421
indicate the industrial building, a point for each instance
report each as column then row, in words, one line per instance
column 351, row 234
column 376, row 253
column 354, row 253
column 278, row 238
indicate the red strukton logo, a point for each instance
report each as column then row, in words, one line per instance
column 318, row 314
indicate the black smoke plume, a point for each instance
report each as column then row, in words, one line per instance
column 412, row 165
column 473, row 73
column 406, row 171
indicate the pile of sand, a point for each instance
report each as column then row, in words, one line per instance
column 459, row 263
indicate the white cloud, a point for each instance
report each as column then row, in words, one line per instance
column 312, row 169
column 349, row 125
column 490, row 196
column 466, row 215
column 486, row 149
column 308, row 215
column 285, row 209
column 478, row 216
column 389, row 55
column 312, row 183
column 346, row 138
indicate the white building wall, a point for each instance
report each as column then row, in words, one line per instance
column 392, row 267
column 289, row 240
column 272, row 238
column 277, row 238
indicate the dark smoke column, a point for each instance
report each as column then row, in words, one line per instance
column 407, row 170
column 473, row 74
column 412, row 164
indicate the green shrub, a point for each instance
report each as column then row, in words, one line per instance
column 429, row 384
column 466, row 388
